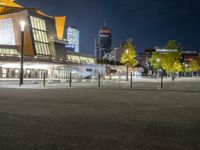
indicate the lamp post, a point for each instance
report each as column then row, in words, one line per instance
column 127, row 64
column 158, row 61
column 186, row 65
column 22, row 25
column 161, row 83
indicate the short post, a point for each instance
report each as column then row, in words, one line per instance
column 19, row 79
column 99, row 80
column 44, row 79
column 131, row 79
column 127, row 73
column 161, row 79
column 70, row 79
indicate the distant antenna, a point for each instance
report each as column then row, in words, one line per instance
column 104, row 24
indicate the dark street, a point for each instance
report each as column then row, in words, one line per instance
column 99, row 119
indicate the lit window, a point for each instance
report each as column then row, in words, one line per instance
column 40, row 36
column 9, row 52
column 7, row 36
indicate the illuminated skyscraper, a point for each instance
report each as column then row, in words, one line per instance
column 73, row 38
column 103, row 43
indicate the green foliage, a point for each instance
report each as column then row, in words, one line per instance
column 154, row 60
column 198, row 60
column 193, row 66
column 173, row 45
column 171, row 62
column 129, row 54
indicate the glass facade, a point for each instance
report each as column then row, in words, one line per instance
column 40, row 36
column 80, row 59
column 7, row 36
column 9, row 52
column 73, row 38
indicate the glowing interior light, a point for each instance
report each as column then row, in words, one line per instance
column 22, row 24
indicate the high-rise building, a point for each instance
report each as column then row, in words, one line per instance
column 103, row 43
column 73, row 38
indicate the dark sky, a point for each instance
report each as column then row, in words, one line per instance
column 149, row 22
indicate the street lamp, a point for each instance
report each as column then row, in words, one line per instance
column 161, row 83
column 127, row 67
column 22, row 26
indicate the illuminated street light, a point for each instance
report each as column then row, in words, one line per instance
column 22, row 25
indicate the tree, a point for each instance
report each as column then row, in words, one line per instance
column 168, row 61
column 171, row 63
column 173, row 45
column 156, row 60
column 193, row 66
column 198, row 60
column 129, row 55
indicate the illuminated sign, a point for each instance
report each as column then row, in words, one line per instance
column 70, row 46
column 166, row 50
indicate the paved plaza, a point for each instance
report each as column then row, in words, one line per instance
column 113, row 117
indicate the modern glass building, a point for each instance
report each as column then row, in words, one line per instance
column 73, row 38
column 44, row 44
column 103, row 43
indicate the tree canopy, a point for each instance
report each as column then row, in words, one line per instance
column 156, row 60
column 129, row 54
column 171, row 62
column 173, row 45
column 168, row 61
column 193, row 66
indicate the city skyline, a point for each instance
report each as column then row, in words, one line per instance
column 149, row 23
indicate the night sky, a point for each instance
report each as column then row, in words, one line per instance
column 149, row 22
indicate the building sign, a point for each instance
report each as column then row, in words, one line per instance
column 166, row 50
column 7, row 36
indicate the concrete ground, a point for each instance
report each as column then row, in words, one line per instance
column 107, row 118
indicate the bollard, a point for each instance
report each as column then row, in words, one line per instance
column 44, row 79
column 131, row 79
column 70, row 80
column 161, row 84
column 19, row 79
column 127, row 73
column 99, row 80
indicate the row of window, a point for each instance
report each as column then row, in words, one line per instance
column 9, row 51
column 40, row 36
column 80, row 59
column 38, row 23
column 42, row 49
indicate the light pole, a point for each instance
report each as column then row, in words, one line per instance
column 186, row 65
column 22, row 25
column 158, row 61
column 161, row 83
column 127, row 64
